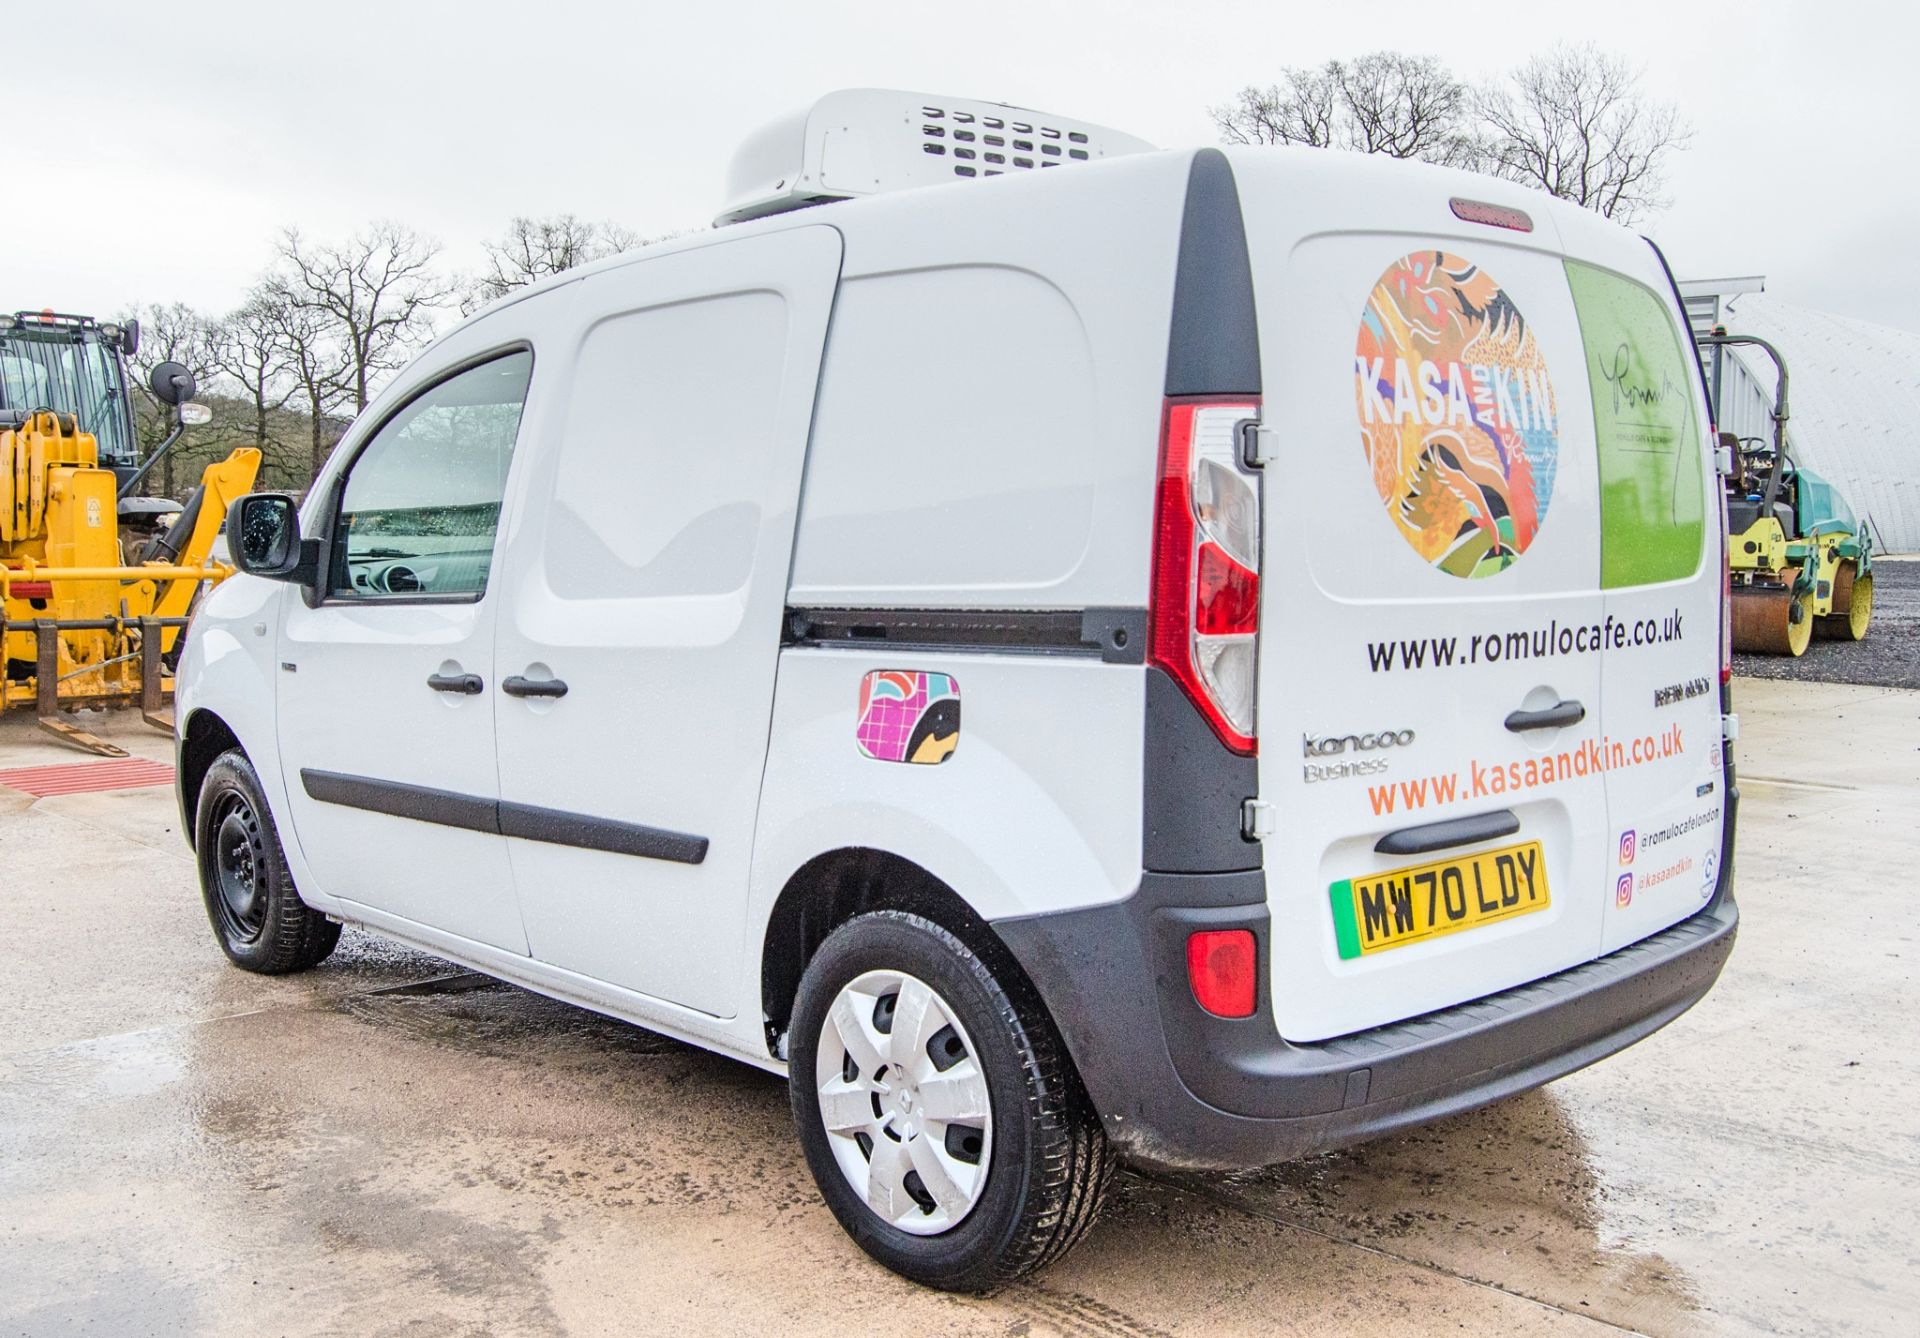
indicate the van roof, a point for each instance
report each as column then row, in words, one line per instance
column 1573, row 230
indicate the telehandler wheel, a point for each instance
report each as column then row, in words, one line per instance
column 256, row 912
column 1852, row 605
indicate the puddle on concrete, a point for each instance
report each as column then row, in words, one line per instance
column 1508, row 1196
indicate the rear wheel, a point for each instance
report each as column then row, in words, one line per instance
column 1852, row 605
column 939, row 1114
column 256, row 913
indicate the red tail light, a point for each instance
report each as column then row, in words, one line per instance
column 1204, row 613
column 1221, row 969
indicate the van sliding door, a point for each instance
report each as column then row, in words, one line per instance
column 641, row 620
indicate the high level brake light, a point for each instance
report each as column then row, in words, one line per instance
column 1204, row 614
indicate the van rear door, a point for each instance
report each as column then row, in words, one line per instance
column 1432, row 746
column 1661, row 572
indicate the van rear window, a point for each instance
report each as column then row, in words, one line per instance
column 1647, row 424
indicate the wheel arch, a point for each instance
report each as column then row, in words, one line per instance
column 836, row 885
column 202, row 740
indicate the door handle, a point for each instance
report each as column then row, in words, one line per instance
column 1558, row 716
column 465, row 685
column 533, row 687
column 1445, row 835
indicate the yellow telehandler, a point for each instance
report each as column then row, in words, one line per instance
column 96, row 582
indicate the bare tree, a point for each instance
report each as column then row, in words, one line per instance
column 316, row 363
column 533, row 248
column 1574, row 123
column 376, row 293
column 1385, row 102
column 249, row 351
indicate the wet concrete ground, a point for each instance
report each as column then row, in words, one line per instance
column 387, row 1146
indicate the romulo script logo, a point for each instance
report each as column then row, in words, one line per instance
column 1331, row 745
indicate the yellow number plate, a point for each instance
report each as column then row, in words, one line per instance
column 1378, row 911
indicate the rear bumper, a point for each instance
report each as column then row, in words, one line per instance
column 1238, row 1095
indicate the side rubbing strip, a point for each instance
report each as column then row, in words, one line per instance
column 619, row 838
column 471, row 813
column 403, row 801
column 1215, row 345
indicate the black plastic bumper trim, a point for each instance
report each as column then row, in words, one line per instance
column 1178, row 1088
column 496, row 817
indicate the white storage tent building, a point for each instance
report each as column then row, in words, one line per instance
column 1853, row 398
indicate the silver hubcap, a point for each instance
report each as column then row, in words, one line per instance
column 904, row 1102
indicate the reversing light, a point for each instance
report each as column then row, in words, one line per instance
column 1221, row 968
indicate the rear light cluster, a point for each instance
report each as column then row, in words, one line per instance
column 1204, row 613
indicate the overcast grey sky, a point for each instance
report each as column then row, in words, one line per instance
column 170, row 140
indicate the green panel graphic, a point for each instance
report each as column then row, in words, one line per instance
column 1652, row 499
column 1346, row 934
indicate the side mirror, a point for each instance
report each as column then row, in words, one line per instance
column 171, row 382
column 263, row 535
column 195, row 414
column 130, row 338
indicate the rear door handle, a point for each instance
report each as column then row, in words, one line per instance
column 1557, row 716
column 1445, row 835
column 533, row 687
column 465, row 685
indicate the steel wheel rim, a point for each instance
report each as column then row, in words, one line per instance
column 1860, row 611
column 1799, row 634
column 904, row 1102
column 239, row 870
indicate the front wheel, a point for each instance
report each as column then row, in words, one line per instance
column 256, row 913
column 937, row 1109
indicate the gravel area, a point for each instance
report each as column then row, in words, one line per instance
column 1889, row 657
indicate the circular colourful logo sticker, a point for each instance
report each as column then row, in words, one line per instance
column 1457, row 413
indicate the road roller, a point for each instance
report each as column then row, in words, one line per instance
column 1799, row 563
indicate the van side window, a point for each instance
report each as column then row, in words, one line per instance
column 422, row 500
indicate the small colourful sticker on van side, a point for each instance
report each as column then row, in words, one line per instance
column 909, row 716
column 1457, row 413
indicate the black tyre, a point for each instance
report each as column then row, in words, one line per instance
column 256, row 912
column 938, row 1110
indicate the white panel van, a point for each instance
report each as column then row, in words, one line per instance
column 1195, row 659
